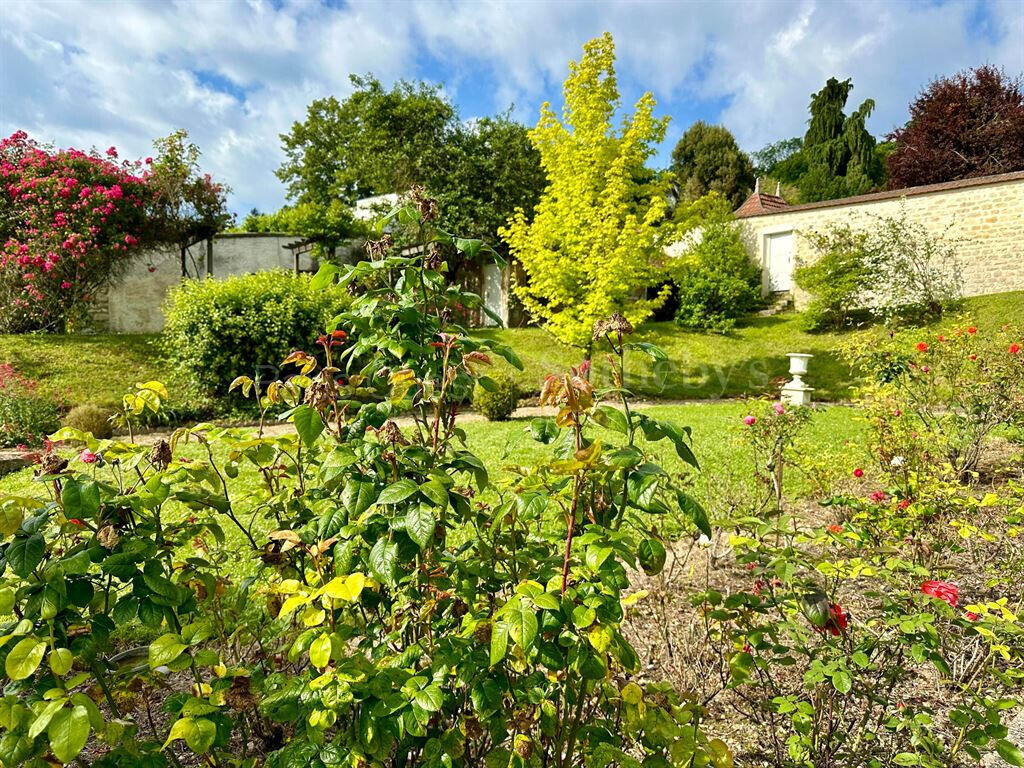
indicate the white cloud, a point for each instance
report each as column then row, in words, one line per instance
column 236, row 73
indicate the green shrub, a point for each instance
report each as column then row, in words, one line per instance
column 836, row 279
column 896, row 271
column 26, row 417
column 716, row 282
column 219, row 329
column 498, row 398
column 90, row 418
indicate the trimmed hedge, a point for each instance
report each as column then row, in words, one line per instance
column 496, row 401
column 217, row 330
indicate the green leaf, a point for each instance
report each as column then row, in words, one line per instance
column 651, row 554
column 68, row 732
column 320, row 651
column 1009, row 752
column 612, row 418
column 419, row 524
column 543, row 429
column 692, row 509
column 653, row 350
column 522, row 624
column 164, row 650
column 60, row 661
column 358, row 495
column 499, row 641
column 430, row 698
column 470, row 247
column 308, row 423
column 384, row 561
column 324, row 276
column 25, row 553
column 397, row 491
column 434, row 490
column 24, row 658
column 842, row 681
column 199, row 733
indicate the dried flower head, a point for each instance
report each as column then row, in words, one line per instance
column 378, row 249
column 320, row 393
column 52, row 464
column 161, row 454
column 434, row 259
column 107, row 537
column 427, row 206
column 614, row 324
column 390, row 433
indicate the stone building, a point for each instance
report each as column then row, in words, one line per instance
column 984, row 216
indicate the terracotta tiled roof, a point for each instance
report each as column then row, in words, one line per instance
column 759, row 204
column 755, row 205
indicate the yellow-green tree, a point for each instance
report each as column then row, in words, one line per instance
column 594, row 244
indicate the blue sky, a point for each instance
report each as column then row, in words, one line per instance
column 236, row 73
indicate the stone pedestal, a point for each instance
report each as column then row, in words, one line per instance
column 796, row 392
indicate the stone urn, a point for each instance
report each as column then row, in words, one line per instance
column 796, row 391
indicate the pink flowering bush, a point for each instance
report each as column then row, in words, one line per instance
column 75, row 219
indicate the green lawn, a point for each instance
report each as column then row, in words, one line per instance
column 747, row 361
column 77, row 369
column 832, row 441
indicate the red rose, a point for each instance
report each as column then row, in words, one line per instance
column 972, row 330
column 835, row 528
column 858, row 472
column 1014, row 349
column 943, row 590
column 922, row 347
column 972, row 616
column 837, row 620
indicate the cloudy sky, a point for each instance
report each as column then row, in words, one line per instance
column 236, row 73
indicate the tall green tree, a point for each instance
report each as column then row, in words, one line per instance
column 375, row 141
column 380, row 140
column 838, row 149
column 596, row 240
column 707, row 159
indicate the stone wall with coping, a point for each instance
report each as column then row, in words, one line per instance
column 985, row 220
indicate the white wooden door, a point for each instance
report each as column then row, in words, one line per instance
column 779, row 250
column 493, row 292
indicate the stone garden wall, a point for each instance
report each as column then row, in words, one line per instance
column 984, row 216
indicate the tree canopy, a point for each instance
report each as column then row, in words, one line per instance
column 707, row 159
column 964, row 126
column 379, row 140
column 838, row 149
column 596, row 239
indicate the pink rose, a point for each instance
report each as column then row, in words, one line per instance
column 943, row 590
column 779, row 408
column 750, row 421
column 87, row 456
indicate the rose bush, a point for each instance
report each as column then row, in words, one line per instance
column 380, row 603
column 74, row 219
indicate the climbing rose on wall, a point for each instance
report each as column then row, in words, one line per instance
column 70, row 222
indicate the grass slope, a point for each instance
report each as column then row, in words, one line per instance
column 747, row 361
column 77, row 369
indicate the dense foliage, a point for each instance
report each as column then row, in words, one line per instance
column 838, row 150
column 707, row 159
column 185, row 205
column 73, row 221
column 497, row 398
column 894, row 270
column 379, row 141
column 216, row 329
column 26, row 417
column 92, row 419
column 597, row 235
column 967, row 125
column 715, row 280
column 391, row 619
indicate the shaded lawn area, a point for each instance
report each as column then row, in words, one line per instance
column 748, row 360
column 78, row 369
